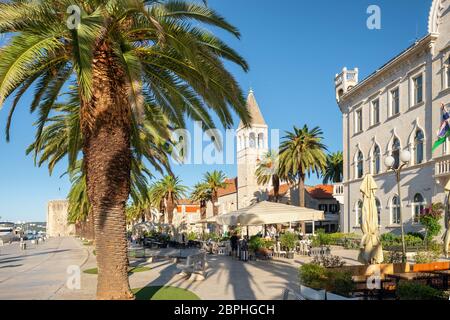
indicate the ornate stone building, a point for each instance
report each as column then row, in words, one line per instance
column 394, row 109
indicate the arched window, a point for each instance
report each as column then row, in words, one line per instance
column 418, row 205
column 396, row 152
column 358, row 209
column 376, row 160
column 395, row 210
column 378, row 205
column 260, row 141
column 360, row 165
column 252, row 140
column 418, row 146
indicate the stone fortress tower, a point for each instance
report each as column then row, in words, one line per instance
column 252, row 145
column 57, row 226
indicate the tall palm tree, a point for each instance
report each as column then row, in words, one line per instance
column 334, row 168
column 125, row 55
column 267, row 170
column 302, row 153
column 63, row 129
column 201, row 194
column 169, row 190
column 214, row 181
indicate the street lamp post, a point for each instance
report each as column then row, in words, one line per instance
column 405, row 157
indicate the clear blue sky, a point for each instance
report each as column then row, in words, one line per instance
column 294, row 49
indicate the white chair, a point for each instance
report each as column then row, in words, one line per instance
column 278, row 252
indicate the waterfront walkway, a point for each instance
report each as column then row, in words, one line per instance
column 40, row 272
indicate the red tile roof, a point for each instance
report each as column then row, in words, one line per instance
column 321, row 191
column 284, row 188
column 229, row 189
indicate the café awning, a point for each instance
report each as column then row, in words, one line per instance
column 265, row 212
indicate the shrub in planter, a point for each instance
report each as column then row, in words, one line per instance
column 416, row 291
column 288, row 240
column 393, row 257
column 313, row 275
column 340, row 282
column 426, row 256
column 430, row 218
column 329, row 261
column 318, row 277
column 321, row 238
column 192, row 236
column 255, row 243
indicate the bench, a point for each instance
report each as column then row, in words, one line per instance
column 195, row 267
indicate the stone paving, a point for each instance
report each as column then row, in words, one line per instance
column 41, row 273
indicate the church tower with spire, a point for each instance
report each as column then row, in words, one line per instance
column 252, row 145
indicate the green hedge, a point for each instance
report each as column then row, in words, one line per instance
column 319, row 278
column 416, row 291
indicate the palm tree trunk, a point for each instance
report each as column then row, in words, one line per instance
column 203, row 214
column 301, row 190
column 215, row 199
column 90, row 226
column 162, row 212
column 105, row 123
column 276, row 187
column 170, row 208
column 202, row 210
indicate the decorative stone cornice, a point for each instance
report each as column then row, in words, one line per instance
column 435, row 15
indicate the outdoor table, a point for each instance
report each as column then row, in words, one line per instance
column 413, row 276
column 444, row 274
column 361, row 286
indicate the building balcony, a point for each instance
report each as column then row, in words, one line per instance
column 442, row 167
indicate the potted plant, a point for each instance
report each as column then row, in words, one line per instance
column 288, row 241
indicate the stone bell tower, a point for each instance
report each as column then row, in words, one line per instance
column 252, row 145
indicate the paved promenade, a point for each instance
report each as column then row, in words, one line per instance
column 40, row 271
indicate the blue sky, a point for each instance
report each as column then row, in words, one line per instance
column 294, row 49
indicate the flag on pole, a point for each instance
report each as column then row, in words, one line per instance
column 444, row 130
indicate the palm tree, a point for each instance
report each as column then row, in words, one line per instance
column 201, row 194
column 334, row 168
column 169, row 190
column 302, row 153
column 125, row 55
column 267, row 170
column 213, row 182
column 63, row 130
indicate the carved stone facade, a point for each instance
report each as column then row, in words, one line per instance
column 398, row 108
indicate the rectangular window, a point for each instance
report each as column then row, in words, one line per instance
column 395, row 102
column 323, row 207
column 376, row 112
column 418, row 89
column 334, row 208
column 358, row 121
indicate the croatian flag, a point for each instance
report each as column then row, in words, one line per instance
column 444, row 130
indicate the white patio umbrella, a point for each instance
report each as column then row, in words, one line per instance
column 265, row 213
column 447, row 220
column 371, row 251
